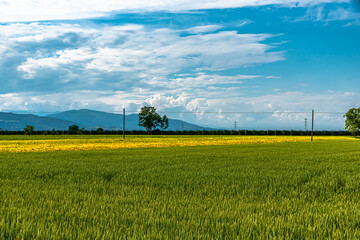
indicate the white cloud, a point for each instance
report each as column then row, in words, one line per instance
column 322, row 14
column 221, row 111
column 204, row 29
column 164, row 102
column 29, row 10
column 132, row 49
column 202, row 80
column 244, row 22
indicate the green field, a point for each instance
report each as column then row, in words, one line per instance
column 261, row 191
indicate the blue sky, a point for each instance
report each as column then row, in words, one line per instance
column 202, row 61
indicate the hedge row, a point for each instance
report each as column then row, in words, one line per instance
column 212, row 132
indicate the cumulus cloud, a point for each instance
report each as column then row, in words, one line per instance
column 158, row 50
column 62, row 57
column 267, row 111
column 28, row 10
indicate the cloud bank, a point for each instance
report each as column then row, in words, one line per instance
column 42, row 58
column 218, row 111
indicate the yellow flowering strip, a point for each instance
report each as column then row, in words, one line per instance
column 111, row 142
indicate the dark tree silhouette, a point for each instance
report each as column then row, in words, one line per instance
column 29, row 130
column 150, row 119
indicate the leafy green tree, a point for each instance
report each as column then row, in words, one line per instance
column 29, row 130
column 164, row 124
column 352, row 122
column 74, row 129
column 150, row 119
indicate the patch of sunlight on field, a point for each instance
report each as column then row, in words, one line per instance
column 78, row 143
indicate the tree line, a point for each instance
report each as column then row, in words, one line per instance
column 185, row 132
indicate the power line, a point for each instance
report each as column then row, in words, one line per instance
column 202, row 112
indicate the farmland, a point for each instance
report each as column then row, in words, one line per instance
column 103, row 142
column 290, row 189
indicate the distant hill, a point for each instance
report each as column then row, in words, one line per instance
column 94, row 119
column 17, row 122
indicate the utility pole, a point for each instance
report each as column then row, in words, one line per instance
column 312, row 126
column 306, row 125
column 123, row 123
column 235, row 124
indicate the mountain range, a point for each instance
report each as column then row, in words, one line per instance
column 17, row 122
column 84, row 118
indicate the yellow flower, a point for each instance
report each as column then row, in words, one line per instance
column 77, row 143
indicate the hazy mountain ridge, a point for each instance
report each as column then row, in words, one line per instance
column 88, row 119
column 111, row 121
column 17, row 122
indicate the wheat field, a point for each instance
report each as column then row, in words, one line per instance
column 288, row 190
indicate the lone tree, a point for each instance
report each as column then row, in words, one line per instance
column 29, row 130
column 352, row 122
column 164, row 123
column 150, row 119
column 74, row 129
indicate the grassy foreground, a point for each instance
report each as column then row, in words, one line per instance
column 265, row 191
